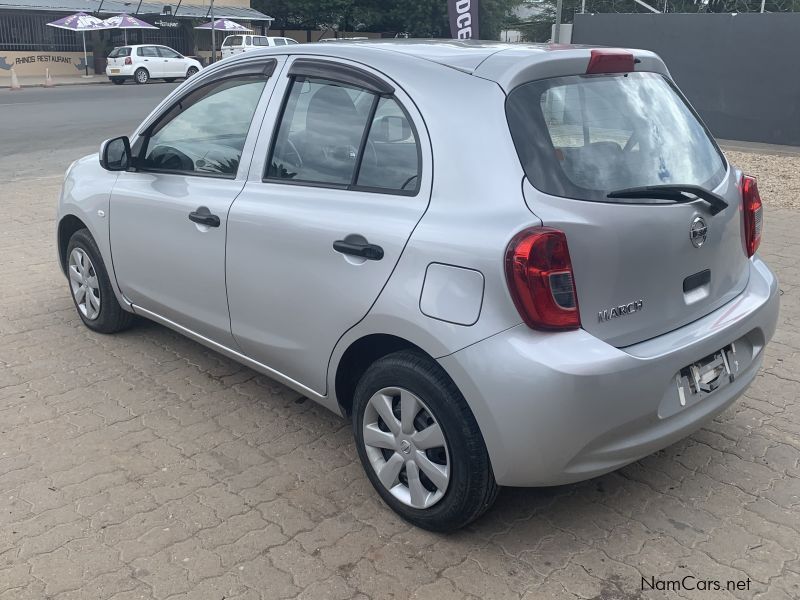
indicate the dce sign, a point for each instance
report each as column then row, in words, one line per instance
column 463, row 19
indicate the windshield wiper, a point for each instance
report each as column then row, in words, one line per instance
column 675, row 192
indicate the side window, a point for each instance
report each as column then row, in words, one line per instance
column 280, row 42
column 320, row 134
column 248, row 40
column 168, row 52
column 391, row 155
column 290, row 41
column 204, row 132
column 260, row 41
column 148, row 51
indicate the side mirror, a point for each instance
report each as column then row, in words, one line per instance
column 392, row 129
column 115, row 154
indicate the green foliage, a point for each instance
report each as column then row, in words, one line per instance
column 417, row 18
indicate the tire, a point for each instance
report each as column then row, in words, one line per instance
column 409, row 378
column 105, row 315
column 117, row 80
column 191, row 71
column 169, row 79
column 141, row 76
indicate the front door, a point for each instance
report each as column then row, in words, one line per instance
column 168, row 218
column 172, row 62
column 315, row 235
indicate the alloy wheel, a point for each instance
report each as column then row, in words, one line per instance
column 84, row 284
column 406, row 447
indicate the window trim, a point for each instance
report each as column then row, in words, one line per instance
column 351, row 187
column 139, row 148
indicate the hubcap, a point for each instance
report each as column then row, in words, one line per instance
column 84, row 284
column 142, row 76
column 406, row 447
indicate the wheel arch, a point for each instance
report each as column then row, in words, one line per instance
column 357, row 358
column 67, row 226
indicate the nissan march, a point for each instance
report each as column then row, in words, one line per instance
column 508, row 265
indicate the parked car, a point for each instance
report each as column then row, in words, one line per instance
column 508, row 265
column 149, row 61
column 236, row 44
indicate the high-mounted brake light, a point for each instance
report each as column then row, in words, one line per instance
column 128, row 60
column 539, row 277
column 752, row 210
column 609, row 60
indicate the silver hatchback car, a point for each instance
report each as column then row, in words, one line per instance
column 509, row 265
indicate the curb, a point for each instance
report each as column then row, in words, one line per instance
column 57, row 84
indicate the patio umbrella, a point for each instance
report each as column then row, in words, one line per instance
column 83, row 23
column 126, row 22
column 223, row 25
column 220, row 25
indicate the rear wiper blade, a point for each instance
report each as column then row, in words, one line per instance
column 676, row 193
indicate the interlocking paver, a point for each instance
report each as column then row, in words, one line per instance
column 144, row 466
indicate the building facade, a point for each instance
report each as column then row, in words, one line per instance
column 31, row 47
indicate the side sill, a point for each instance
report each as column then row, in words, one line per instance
column 238, row 357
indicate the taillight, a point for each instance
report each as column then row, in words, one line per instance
column 610, row 60
column 128, row 60
column 539, row 276
column 752, row 211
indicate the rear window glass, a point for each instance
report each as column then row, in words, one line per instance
column 119, row 52
column 234, row 40
column 583, row 136
column 260, row 41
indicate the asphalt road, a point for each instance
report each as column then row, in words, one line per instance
column 43, row 130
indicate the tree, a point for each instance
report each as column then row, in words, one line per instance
column 417, row 18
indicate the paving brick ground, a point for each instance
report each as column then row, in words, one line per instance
column 145, row 466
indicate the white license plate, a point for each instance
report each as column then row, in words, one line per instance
column 113, row 71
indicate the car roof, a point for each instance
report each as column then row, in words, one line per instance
column 504, row 63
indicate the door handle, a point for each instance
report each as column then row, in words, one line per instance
column 364, row 250
column 203, row 216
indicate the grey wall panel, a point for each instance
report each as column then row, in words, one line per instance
column 741, row 72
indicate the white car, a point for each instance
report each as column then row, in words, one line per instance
column 236, row 44
column 149, row 61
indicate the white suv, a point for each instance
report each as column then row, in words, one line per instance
column 145, row 62
column 236, row 44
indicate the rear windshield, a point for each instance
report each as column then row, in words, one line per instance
column 583, row 136
column 118, row 52
column 234, row 40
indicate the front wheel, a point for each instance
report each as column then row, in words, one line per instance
column 90, row 286
column 141, row 76
column 420, row 444
column 191, row 71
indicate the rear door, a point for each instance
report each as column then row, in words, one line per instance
column 321, row 223
column 151, row 60
column 643, row 266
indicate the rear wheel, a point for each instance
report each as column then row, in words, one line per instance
column 191, row 71
column 420, row 444
column 91, row 288
column 117, row 80
column 141, row 75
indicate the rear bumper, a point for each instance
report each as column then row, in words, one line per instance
column 562, row 407
column 124, row 72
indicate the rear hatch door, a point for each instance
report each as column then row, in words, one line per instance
column 643, row 265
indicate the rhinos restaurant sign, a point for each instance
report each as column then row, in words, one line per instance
column 463, row 19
